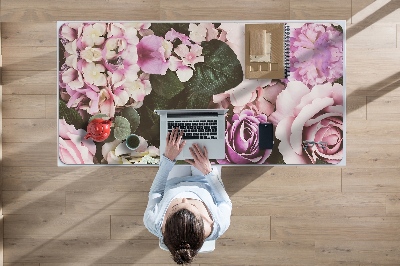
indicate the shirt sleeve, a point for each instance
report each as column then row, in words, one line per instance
column 222, row 199
column 156, row 194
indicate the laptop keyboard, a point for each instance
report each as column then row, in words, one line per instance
column 196, row 129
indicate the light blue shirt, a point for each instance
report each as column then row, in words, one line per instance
column 209, row 188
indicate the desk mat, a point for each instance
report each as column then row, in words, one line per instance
column 126, row 70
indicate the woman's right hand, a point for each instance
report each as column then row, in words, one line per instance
column 174, row 144
column 200, row 159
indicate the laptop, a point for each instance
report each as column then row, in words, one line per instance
column 206, row 127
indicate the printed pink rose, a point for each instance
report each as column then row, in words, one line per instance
column 152, row 55
column 241, row 139
column 73, row 148
column 309, row 115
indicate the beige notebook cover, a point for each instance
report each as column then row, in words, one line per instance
column 265, row 51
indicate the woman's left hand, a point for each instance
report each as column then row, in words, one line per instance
column 174, row 144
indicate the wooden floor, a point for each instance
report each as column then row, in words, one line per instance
column 281, row 215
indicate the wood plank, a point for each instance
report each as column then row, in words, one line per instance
column 380, row 73
column 53, row 226
column 370, row 12
column 383, row 155
column 364, row 252
column 383, row 108
column 287, row 180
column 33, row 202
column 249, row 227
column 51, row 106
column 129, row 227
column 29, row 34
column 113, row 264
column 31, row 62
column 393, row 204
column 29, row 51
column 147, row 251
column 358, row 6
column 40, row 130
column 381, row 180
column 309, row 10
column 226, row 10
column 47, row 178
column 21, row 264
column 24, row 106
column 239, row 252
column 107, row 203
column 373, row 131
column 398, row 35
column 140, row 180
column 85, row 251
column 30, row 154
column 121, row 10
column 309, row 204
column 30, row 82
column 384, row 36
column 356, row 108
column 58, row 179
column 335, row 228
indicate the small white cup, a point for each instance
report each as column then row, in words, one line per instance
column 132, row 142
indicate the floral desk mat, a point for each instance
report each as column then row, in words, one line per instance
column 123, row 71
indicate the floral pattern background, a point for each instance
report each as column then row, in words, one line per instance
column 124, row 71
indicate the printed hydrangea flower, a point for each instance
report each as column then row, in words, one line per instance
column 94, row 74
column 198, row 32
column 93, row 34
column 172, row 35
column 316, row 54
column 87, row 99
column 152, row 55
column 106, row 102
column 71, row 54
column 190, row 56
column 212, row 32
column 71, row 31
column 114, row 46
column 72, row 78
column 91, row 54
column 142, row 28
column 138, row 89
column 183, row 72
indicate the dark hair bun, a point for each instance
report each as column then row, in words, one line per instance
column 185, row 246
column 183, row 255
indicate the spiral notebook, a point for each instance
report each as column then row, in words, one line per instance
column 267, row 51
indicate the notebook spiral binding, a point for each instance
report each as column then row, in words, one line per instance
column 287, row 50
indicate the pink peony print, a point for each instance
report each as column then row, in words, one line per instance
column 73, row 148
column 316, row 54
column 309, row 115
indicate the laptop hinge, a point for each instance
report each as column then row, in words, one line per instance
column 193, row 114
